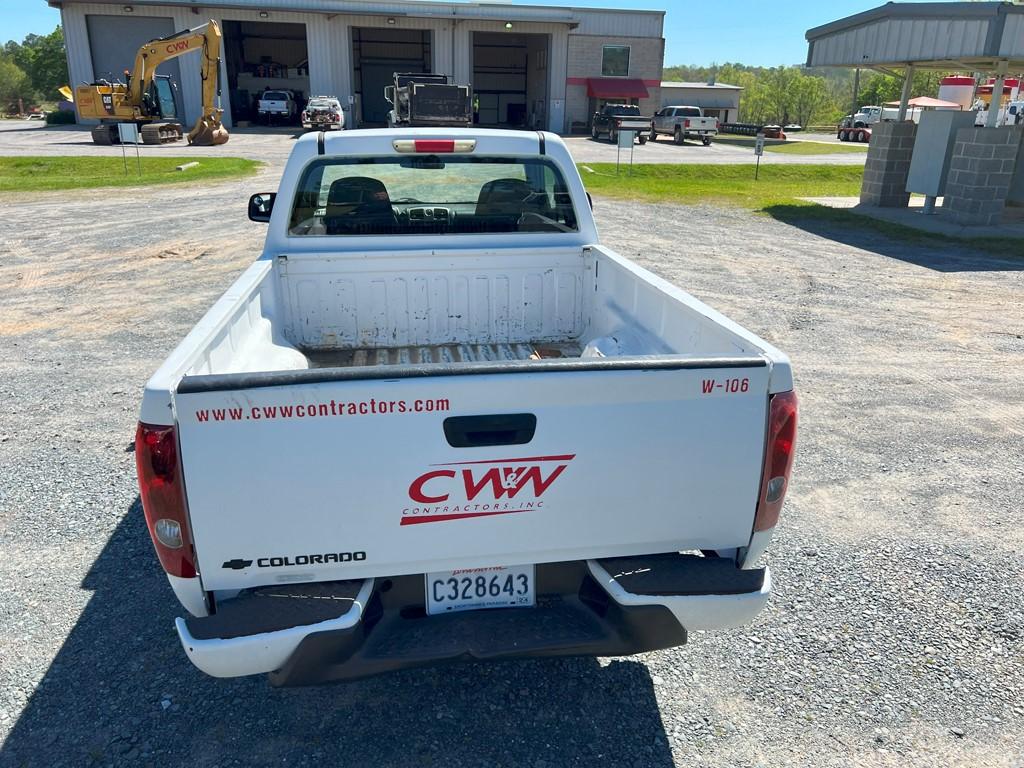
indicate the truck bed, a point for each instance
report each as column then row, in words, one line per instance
column 440, row 353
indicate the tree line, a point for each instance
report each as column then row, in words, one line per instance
column 31, row 71
column 804, row 95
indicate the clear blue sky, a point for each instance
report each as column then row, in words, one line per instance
column 747, row 31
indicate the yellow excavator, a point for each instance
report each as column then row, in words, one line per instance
column 147, row 99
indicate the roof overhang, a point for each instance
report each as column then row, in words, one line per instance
column 982, row 37
column 498, row 12
column 701, row 86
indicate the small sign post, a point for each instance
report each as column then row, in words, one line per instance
column 626, row 139
column 758, row 150
column 128, row 133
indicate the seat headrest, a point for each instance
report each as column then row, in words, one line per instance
column 360, row 191
column 503, row 196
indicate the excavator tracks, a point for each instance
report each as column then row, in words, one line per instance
column 161, row 133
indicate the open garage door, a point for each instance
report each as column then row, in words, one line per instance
column 264, row 55
column 376, row 55
column 114, row 41
column 510, row 79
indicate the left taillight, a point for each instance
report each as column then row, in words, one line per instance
column 163, row 498
column 778, row 459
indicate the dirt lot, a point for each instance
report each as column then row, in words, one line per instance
column 894, row 637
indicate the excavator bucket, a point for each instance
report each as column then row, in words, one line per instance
column 208, row 132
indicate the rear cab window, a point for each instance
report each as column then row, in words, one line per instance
column 431, row 194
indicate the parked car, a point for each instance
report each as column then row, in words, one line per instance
column 683, row 123
column 613, row 118
column 323, row 112
column 793, row 127
column 438, row 420
column 277, row 104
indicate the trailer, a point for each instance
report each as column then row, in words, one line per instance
column 425, row 100
column 861, row 134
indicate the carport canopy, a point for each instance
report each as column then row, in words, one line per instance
column 926, row 102
column 976, row 37
column 616, row 88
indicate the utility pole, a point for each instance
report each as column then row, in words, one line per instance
column 856, row 88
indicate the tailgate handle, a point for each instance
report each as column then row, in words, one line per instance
column 497, row 429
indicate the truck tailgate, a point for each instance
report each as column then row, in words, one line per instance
column 325, row 474
column 634, row 124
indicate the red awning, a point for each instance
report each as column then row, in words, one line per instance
column 616, row 88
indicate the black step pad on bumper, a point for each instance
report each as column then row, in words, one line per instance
column 573, row 616
column 673, row 574
column 269, row 609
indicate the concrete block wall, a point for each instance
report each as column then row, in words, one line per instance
column 981, row 173
column 646, row 55
column 888, row 165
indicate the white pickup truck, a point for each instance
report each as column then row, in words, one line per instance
column 437, row 420
column 683, row 123
column 280, row 104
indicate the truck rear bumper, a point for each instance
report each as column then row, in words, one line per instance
column 612, row 607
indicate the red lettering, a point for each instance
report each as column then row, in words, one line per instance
column 539, row 483
column 417, row 493
column 509, row 481
column 492, row 476
column 708, row 386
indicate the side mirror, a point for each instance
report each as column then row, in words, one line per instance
column 261, row 205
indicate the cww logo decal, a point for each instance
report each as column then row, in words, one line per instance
column 482, row 488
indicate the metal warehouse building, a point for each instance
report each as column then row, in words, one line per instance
column 531, row 66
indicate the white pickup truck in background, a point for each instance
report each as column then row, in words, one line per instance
column 683, row 123
column 437, row 420
column 277, row 104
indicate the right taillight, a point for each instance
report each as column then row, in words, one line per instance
column 778, row 459
column 163, row 498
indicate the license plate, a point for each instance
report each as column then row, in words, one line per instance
column 509, row 586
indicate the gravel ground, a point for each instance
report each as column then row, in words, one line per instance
column 894, row 636
column 21, row 138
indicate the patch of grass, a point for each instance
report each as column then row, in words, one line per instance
column 34, row 174
column 775, row 194
column 729, row 184
column 795, row 147
column 817, row 148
